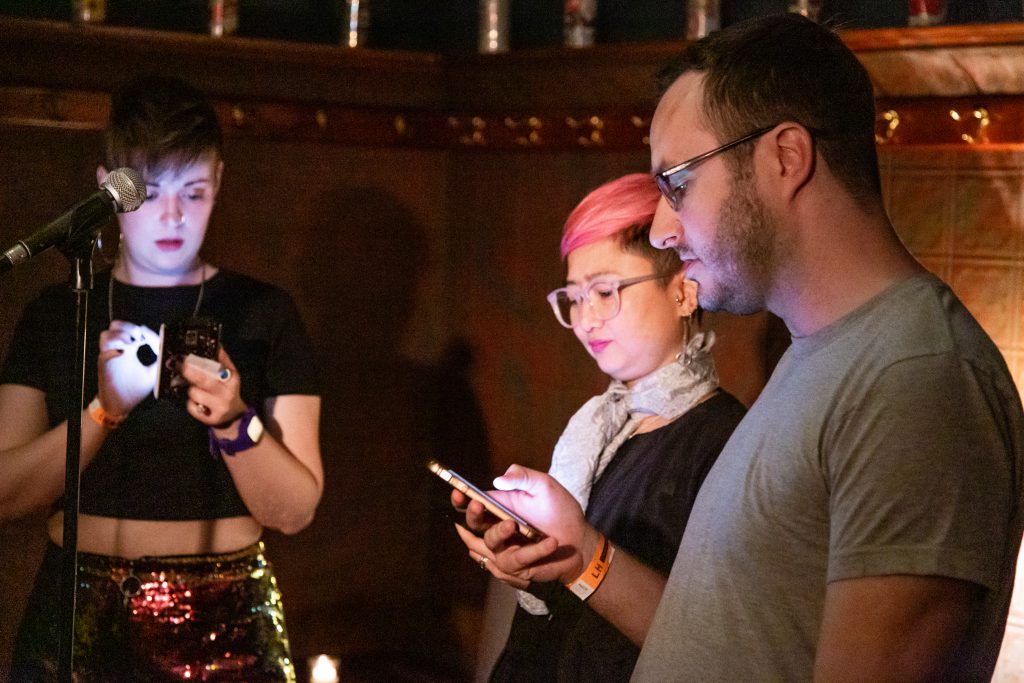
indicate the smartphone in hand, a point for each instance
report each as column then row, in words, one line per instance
column 492, row 505
column 199, row 337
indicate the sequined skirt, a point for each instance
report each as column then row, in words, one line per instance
column 194, row 617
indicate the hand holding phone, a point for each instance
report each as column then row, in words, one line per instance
column 198, row 339
column 493, row 506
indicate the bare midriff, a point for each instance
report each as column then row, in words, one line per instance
column 133, row 538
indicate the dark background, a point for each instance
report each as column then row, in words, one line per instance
column 419, row 270
column 449, row 26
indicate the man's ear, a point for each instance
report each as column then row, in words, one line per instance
column 101, row 174
column 687, row 293
column 794, row 156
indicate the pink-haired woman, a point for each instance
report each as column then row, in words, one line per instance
column 635, row 456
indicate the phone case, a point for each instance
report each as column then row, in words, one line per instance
column 492, row 505
column 196, row 337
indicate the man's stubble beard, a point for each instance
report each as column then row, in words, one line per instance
column 743, row 251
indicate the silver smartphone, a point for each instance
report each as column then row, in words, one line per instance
column 493, row 506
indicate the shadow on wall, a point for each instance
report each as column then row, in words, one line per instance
column 380, row 578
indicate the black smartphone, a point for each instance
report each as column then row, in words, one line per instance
column 492, row 505
column 196, row 337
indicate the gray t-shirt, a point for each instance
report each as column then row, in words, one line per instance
column 889, row 442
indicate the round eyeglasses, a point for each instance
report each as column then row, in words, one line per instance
column 602, row 295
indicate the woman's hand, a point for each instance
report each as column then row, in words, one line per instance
column 214, row 398
column 124, row 379
column 479, row 553
column 563, row 554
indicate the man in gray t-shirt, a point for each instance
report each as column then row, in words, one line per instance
column 873, row 451
column 863, row 521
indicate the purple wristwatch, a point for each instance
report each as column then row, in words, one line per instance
column 250, row 431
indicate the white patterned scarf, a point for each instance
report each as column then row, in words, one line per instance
column 606, row 421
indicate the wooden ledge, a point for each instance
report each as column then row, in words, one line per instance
column 952, row 85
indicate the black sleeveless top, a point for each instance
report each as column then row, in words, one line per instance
column 157, row 464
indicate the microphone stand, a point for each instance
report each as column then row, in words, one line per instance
column 76, row 234
column 81, row 282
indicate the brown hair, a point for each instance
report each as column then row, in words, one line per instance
column 158, row 123
column 787, row 68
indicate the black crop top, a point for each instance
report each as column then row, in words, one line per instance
column 157, row 464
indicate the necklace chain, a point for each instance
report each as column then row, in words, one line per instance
column 195, row 311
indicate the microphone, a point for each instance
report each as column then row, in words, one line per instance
column 123, row 190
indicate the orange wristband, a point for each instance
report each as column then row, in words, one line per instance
column 587, row 582
column 102, row 417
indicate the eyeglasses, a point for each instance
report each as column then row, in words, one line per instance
column 672, row 182
column 601, row 295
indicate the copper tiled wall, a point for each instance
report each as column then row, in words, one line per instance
column 961, row 212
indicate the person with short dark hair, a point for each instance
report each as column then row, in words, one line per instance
column 173, row 582
column 864, row 520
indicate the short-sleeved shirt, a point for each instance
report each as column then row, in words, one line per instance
column 889, row 442
column 157, row 464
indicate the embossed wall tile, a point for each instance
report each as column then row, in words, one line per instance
column 1015, row 361
column 898, row 160
column 920, row 206
column 992, row 294
column 941, row 266
column 987, row 214
column 991, row 158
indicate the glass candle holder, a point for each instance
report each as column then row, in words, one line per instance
column 223, row 18
column 355, row 28
column 89, row 11
column 702, row 17
column 579, row 17
column 493, row 33
column 926, row 12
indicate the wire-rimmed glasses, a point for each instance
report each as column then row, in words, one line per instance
column 601, row 294
column 672, row 181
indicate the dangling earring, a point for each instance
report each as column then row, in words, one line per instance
column 683, row 356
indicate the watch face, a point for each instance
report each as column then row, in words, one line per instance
column 250, row 431
column 255, row 429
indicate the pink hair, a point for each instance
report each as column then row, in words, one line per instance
column 618, row 205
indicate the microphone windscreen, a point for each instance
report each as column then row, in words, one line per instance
column 127, row 187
